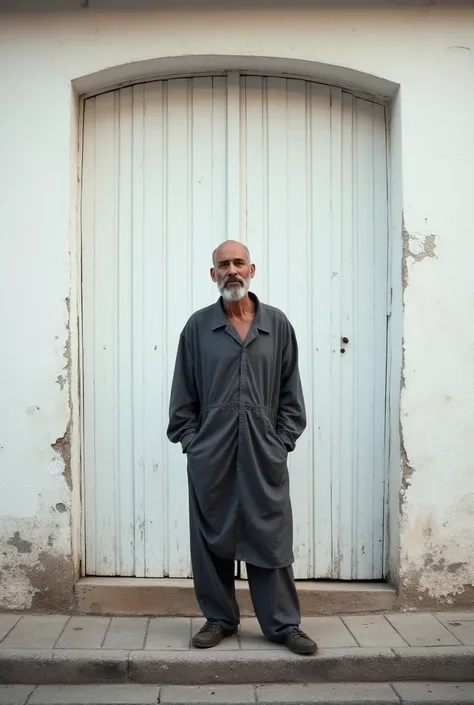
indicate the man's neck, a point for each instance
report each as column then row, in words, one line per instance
column 243, row 309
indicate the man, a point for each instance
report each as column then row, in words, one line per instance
column 237, row 409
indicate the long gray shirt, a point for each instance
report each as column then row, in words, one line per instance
column 237, row 409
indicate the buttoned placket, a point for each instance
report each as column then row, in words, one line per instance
column 243, row 381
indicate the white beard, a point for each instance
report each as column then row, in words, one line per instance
column 234, row 293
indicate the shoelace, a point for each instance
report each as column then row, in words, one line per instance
column 211, row 627
column 296, row 631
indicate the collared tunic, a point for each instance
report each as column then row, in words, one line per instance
column 237, row 409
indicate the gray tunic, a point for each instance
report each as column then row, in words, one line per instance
column 238, row 409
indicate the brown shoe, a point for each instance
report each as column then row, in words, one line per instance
column 299, row 642
column 211, row 635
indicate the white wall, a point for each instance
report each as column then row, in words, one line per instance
column 429, row 53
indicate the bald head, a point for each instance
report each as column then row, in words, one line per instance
column 231, row 247
column 232, row 270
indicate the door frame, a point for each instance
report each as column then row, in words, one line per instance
column 394, row 327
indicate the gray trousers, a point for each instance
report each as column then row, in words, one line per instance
column 272, row 590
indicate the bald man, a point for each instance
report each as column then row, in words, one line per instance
column 237, row 409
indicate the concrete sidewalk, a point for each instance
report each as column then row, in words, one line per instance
column 314, row 694
column 58, row 649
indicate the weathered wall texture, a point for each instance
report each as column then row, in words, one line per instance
column 428, row 52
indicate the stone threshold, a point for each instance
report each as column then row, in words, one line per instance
column 175, row 598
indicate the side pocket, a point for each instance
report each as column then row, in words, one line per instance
column 272, row 434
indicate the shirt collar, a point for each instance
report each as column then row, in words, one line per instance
column 220, row 320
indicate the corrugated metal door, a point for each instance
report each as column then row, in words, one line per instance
column 298, row 170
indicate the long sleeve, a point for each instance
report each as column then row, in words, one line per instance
column 184, row 405
column 291, row 418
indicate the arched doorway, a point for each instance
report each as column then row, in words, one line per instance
column 298, row 170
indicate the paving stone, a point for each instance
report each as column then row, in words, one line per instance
column 374, row 631
column 126, row 633
column 84, row 633
column 329, row 632
column 7, row 622
column 204, row 694
column 435, row 693
column 422, row 630
column 169, row 633
column 95, row 695
column 36, row 632
column 461, row 624
column 230, row 643
column 252, row 639
column 354, row 693
column 15, row 694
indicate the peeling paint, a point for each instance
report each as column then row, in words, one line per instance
column 62, row 446
column 20, row 544
column 52, row 579
column 37, row 560
column 407, row 469
column 416, row 247
column 434, row 574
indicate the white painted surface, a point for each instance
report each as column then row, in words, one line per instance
column 298, row 171
column 428, row 52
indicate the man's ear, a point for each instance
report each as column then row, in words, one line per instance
column 213, row 274
column 252, row 271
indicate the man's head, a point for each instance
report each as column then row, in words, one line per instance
column 232, row 270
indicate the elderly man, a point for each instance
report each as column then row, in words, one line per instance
column 237, row 409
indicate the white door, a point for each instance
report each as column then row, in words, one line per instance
column 298, row 171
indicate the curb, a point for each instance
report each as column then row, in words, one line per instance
column 362, row 665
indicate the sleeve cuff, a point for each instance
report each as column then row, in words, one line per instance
column 287, row 441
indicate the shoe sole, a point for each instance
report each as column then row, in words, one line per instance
column 303, row 652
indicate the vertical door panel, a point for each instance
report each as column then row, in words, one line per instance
column 154, row 205
column 323, row 206
column 315, row 224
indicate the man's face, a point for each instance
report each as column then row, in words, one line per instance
column 232, row 271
